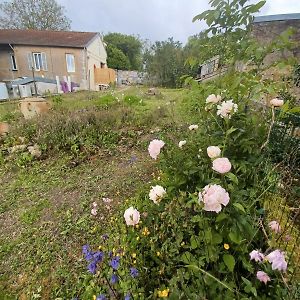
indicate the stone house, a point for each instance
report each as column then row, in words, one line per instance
column 52, row 55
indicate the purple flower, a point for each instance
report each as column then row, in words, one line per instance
column 115, row 262
column 101, row 297
column 88, row 254
column 257, row 256
column 105, row 237
column 92, row 267
column 127, row 297
column 114, row 279
column 110, row 254
column 134, row 272
column 98, row 256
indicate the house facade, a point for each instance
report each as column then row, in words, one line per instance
column 66, row 55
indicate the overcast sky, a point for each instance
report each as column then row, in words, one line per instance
column 151, row 19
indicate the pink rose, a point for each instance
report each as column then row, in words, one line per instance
column 213, row 151
column 221, row 165
column 277, row 259
column 155, row 147
column 257, row 256
column 214, row 196
column 274, row 226
column 276, row 102
column 263, row 277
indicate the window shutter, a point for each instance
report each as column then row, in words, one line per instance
column 30, row 61
column 44, row 62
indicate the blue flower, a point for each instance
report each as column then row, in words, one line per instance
column 127, row 297
column 115, row 262
column 134, row 272
column 98, row 256
column 88, row 254
column 101, row 297
column 114, row 279
column 92, row 267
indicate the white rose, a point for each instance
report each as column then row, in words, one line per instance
column 213, row 98
column 276, row 102
column 157, row 193
column 213, row 151
column 131, row 216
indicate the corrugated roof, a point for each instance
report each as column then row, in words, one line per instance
column 282, row 17
column 71, row 39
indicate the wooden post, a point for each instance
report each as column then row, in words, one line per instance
column 34, row 83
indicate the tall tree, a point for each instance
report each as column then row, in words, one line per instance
column 116, row 59
column 33, row 14
column 130, row 45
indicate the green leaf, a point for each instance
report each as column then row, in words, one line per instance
column 221, row 217
column 233, row 178
column 236, row 238
column 229, row 261
column 239, row 206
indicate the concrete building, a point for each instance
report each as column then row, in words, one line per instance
column 48, row 54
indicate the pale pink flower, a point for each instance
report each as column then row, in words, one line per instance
column 155, row 147
column 221, row 165
column 94, row 211
column 106, row 200
column 274, row 226
column 213, row 151
column 263, row 277
column 257, row 256
column 214, row 196
column 157, row 193
column 213, row 99
column 181, row 144
column 277, row 259
column 193, row 127
column 276, row 102
column 226, row 109
column 131, row 216
column 94, row 204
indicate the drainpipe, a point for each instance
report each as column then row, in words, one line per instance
column 86, row 67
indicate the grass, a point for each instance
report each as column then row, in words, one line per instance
column 45, row 204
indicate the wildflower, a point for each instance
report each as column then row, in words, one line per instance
column 182, row 244
column 106, row 200
column 146, row 231
column 274, row 226
column 276, row 102
column 137, row 238
column 132, row 216
column 257, row 256
column 263, row 277
column 155, row 147
column 134, row 272
column 181, row 144
column 115, row 262
column 92, row 267
column 133, row 255
column 277, row 259
column 88, row 254
column 94, row 211
column 127, row 297
column 157, row 193
column 158, row 253
column 114, row 279
column 101, row 297
column 214, row 196
column 226, row 246
column 105, row 237
column 163, row 294
column 221, row 165
column 213, row 99
column 134, row 262
column 98, row 256
column 193, row 127
column 94, row 204
column 213, row 151
column 226, row 109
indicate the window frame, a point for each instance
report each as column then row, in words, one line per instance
column 72, row 56
column 13, row 62
column 40, row 63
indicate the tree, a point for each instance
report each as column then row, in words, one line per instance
column 116, row 59
column 165, row 63
column 33, row 14
column 130, row 45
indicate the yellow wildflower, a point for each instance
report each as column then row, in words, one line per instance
column 158, row 253
column 226, row 246
column 94, row 297
column 164, row 293
column 137, row 238
column 146, row 231
column 133, row 255
column 100, row 247
column 182, row 243
column 137, row 226
column 134, row 261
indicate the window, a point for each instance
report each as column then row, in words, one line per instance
column 70, row 59
column 39, row 61
column 13, row 62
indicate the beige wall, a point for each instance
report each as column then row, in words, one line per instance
column 96, row 54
